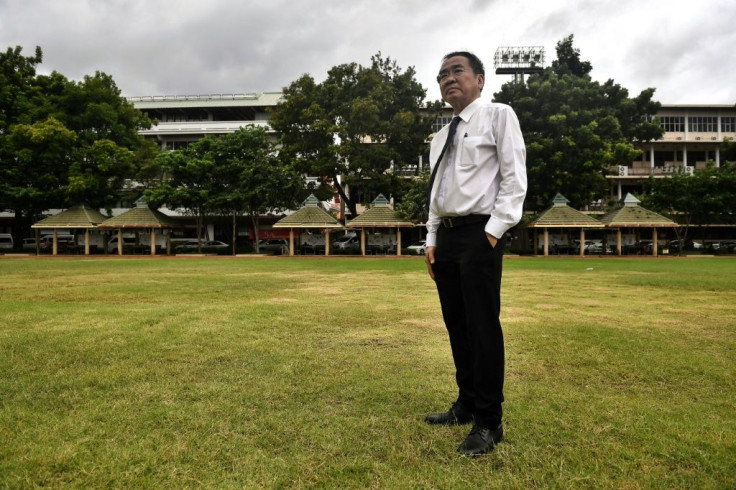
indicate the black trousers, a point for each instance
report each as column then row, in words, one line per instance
column 468, row 276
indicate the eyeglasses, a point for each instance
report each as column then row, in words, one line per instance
column 455, row 71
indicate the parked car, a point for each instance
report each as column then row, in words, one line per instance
column 419, row 248
column 674, row 245
column 347, row 244
column 29, row 244
column 592, row 247
column 209, row 246
column 63, row 242
column 6, row 241
column 277, row 246
column 128, row 244
column 727, row 247
column 644, row 247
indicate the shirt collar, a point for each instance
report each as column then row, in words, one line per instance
column 470, row 109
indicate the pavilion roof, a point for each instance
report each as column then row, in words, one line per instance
column 310, row 215
column 140, row 216
column 379, row 215
column 560, row 215
column 632, row 215
column 80, row 216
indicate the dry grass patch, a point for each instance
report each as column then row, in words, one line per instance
column 301, row 373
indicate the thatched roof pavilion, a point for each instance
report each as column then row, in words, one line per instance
column 310, row 216
column 379, row 215
column 560, row 215
column 141, row 217
column 80, row 217
column 632, row 215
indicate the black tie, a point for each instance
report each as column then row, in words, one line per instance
column 448, row 143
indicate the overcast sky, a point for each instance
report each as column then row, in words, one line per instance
column 686, row 49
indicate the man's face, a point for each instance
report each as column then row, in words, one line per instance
column 459, row 85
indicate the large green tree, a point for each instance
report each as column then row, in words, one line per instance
column 63, row 142
column 236, row 173
column 359, row 127
column 706, row 196
column 577, row 129
column 252, row 176
column 188, row 181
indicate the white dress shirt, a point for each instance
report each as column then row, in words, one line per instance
column 484, row 172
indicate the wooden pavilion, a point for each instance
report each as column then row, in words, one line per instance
column 141, row 217
column 379, row 215
column 561, row 216
column 311, row 216
column 632, row 215
column 80, row 217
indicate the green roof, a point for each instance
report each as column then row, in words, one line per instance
column 310, row 215
column 80, row 216
column 140, row 216
column 560, row 215
column 632, row 215
column 379, row 215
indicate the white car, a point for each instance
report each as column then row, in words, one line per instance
column 419, row 247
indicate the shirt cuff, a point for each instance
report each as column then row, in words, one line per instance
column 496, row 228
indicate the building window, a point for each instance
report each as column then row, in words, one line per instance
column 673, row 124
column 440, row 122
column 701, row 124
column 728, row 124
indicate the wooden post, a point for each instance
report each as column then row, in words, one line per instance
column 582, row 242
column 291, row 241
column 86, row 241
column 153, row 241
column 168, row 242
column 619, row 248
column 398, row 241
column 120, row 241
column 362, row 241
column 327, row 242
column 55, row 243
column 654, row 243
column 546, row 242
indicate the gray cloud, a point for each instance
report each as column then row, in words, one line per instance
column 684, row 49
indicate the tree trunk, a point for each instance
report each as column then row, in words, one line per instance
column 254, row 220
column 350, row 204
column 235, row 229
column 200, row 219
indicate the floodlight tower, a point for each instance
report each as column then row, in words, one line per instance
column 518, row 61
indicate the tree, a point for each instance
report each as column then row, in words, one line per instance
column 109, row 147
column 576, row 129
column 63, row 142
column 188, row 183
column 18, row 97
column 252, row 177
column 229, row 174
column 34, row 179
column 360, row 126
column 413, row 204
column 704, row 197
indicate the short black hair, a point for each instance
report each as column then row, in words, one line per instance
column 475, row 63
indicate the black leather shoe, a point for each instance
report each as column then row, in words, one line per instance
column 457, row 415
column 481, row 440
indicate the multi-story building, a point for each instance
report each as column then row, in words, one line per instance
column 693, row 135
column 692, row 138
column 181, row 119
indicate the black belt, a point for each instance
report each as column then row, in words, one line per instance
column 455, row 221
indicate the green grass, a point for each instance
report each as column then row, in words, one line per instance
column 314, row 372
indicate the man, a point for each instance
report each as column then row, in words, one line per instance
column 476, row 194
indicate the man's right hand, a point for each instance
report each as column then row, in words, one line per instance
column 429, row 260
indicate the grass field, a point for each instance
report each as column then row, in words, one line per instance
column 314, row 372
